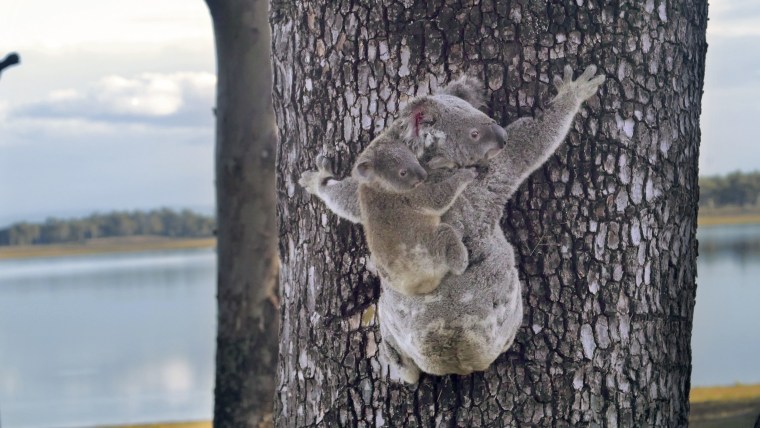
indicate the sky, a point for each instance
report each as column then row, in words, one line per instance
column 111, row 107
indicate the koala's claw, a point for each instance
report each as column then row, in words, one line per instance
column 584, row 87
column 324, row 164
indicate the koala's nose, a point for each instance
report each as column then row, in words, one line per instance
column 501, row 135
column 422, row 174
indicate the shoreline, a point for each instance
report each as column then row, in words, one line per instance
column 136, row 244
column 725, row 406
column 727, row 220
column 189, row 424
column 132, row 244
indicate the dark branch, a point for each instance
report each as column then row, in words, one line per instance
column 11, row 59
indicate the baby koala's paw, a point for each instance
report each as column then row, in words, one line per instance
column 458, row 258
column 324, row 165
column 472, row 172
column 312, row 180
column 459, row 264
column 467, row 175
column 440, row 162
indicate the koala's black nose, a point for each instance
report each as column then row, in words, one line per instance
column 501, row 135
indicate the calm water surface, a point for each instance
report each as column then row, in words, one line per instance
column 726, row 336
column 107, row 339
column 130, row 337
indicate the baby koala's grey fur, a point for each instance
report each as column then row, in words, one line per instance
column 401, row 214
column 470, row 319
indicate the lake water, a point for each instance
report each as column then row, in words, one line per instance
column 726, row 335
column 107, row 339
column 126, row 338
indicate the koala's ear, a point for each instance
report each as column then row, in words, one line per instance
column 467, row 88
column 364, row 169
column 417, row 115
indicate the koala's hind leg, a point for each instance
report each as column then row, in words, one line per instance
column 394, row 363
column 448, row 245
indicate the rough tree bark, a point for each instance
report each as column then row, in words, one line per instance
column 246, row 138
column 604, row 233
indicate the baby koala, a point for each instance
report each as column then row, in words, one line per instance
column 401, row 214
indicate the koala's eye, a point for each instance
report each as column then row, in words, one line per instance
column 402, row 173
column 474, row 134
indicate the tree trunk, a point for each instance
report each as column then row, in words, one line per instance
column 246, row 352
column 604, row 234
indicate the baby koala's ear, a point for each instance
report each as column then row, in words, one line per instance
column 364, row 170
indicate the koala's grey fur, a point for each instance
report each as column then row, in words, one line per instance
column 470, row 319
column 401, row 214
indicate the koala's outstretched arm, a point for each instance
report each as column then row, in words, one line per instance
column 339, row 195
column 437, row 198
column 530, row 141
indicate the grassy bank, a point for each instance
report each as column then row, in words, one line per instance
column 108, row 245
column 204, row 424
column 718, row 406
column 716, row 220
column 728, row 215
column 724, row 406
column 707, row 217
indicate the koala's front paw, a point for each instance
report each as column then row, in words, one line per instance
column 581, row 89
column 440, row 162
column 324, row 165
column 455, row 253
column 312, row 180
column 458, row 258
column 467, row 175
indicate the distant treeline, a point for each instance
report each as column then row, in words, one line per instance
column 162, row 222
column 735, row 189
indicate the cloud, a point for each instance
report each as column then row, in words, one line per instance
column 735, row 28
column 162, row 99
column 145, row 23
column 72, row 167
column 728, row 64
column 119, row 142
column 734, row 18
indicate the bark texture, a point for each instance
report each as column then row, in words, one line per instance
column 604, row 233
column 246, row 138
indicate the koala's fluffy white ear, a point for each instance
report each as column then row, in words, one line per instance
column 467, row 88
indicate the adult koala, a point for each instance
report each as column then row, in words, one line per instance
column 470, row 319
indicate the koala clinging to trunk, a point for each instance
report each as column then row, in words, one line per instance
column 470, row 319
column 401, row 214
